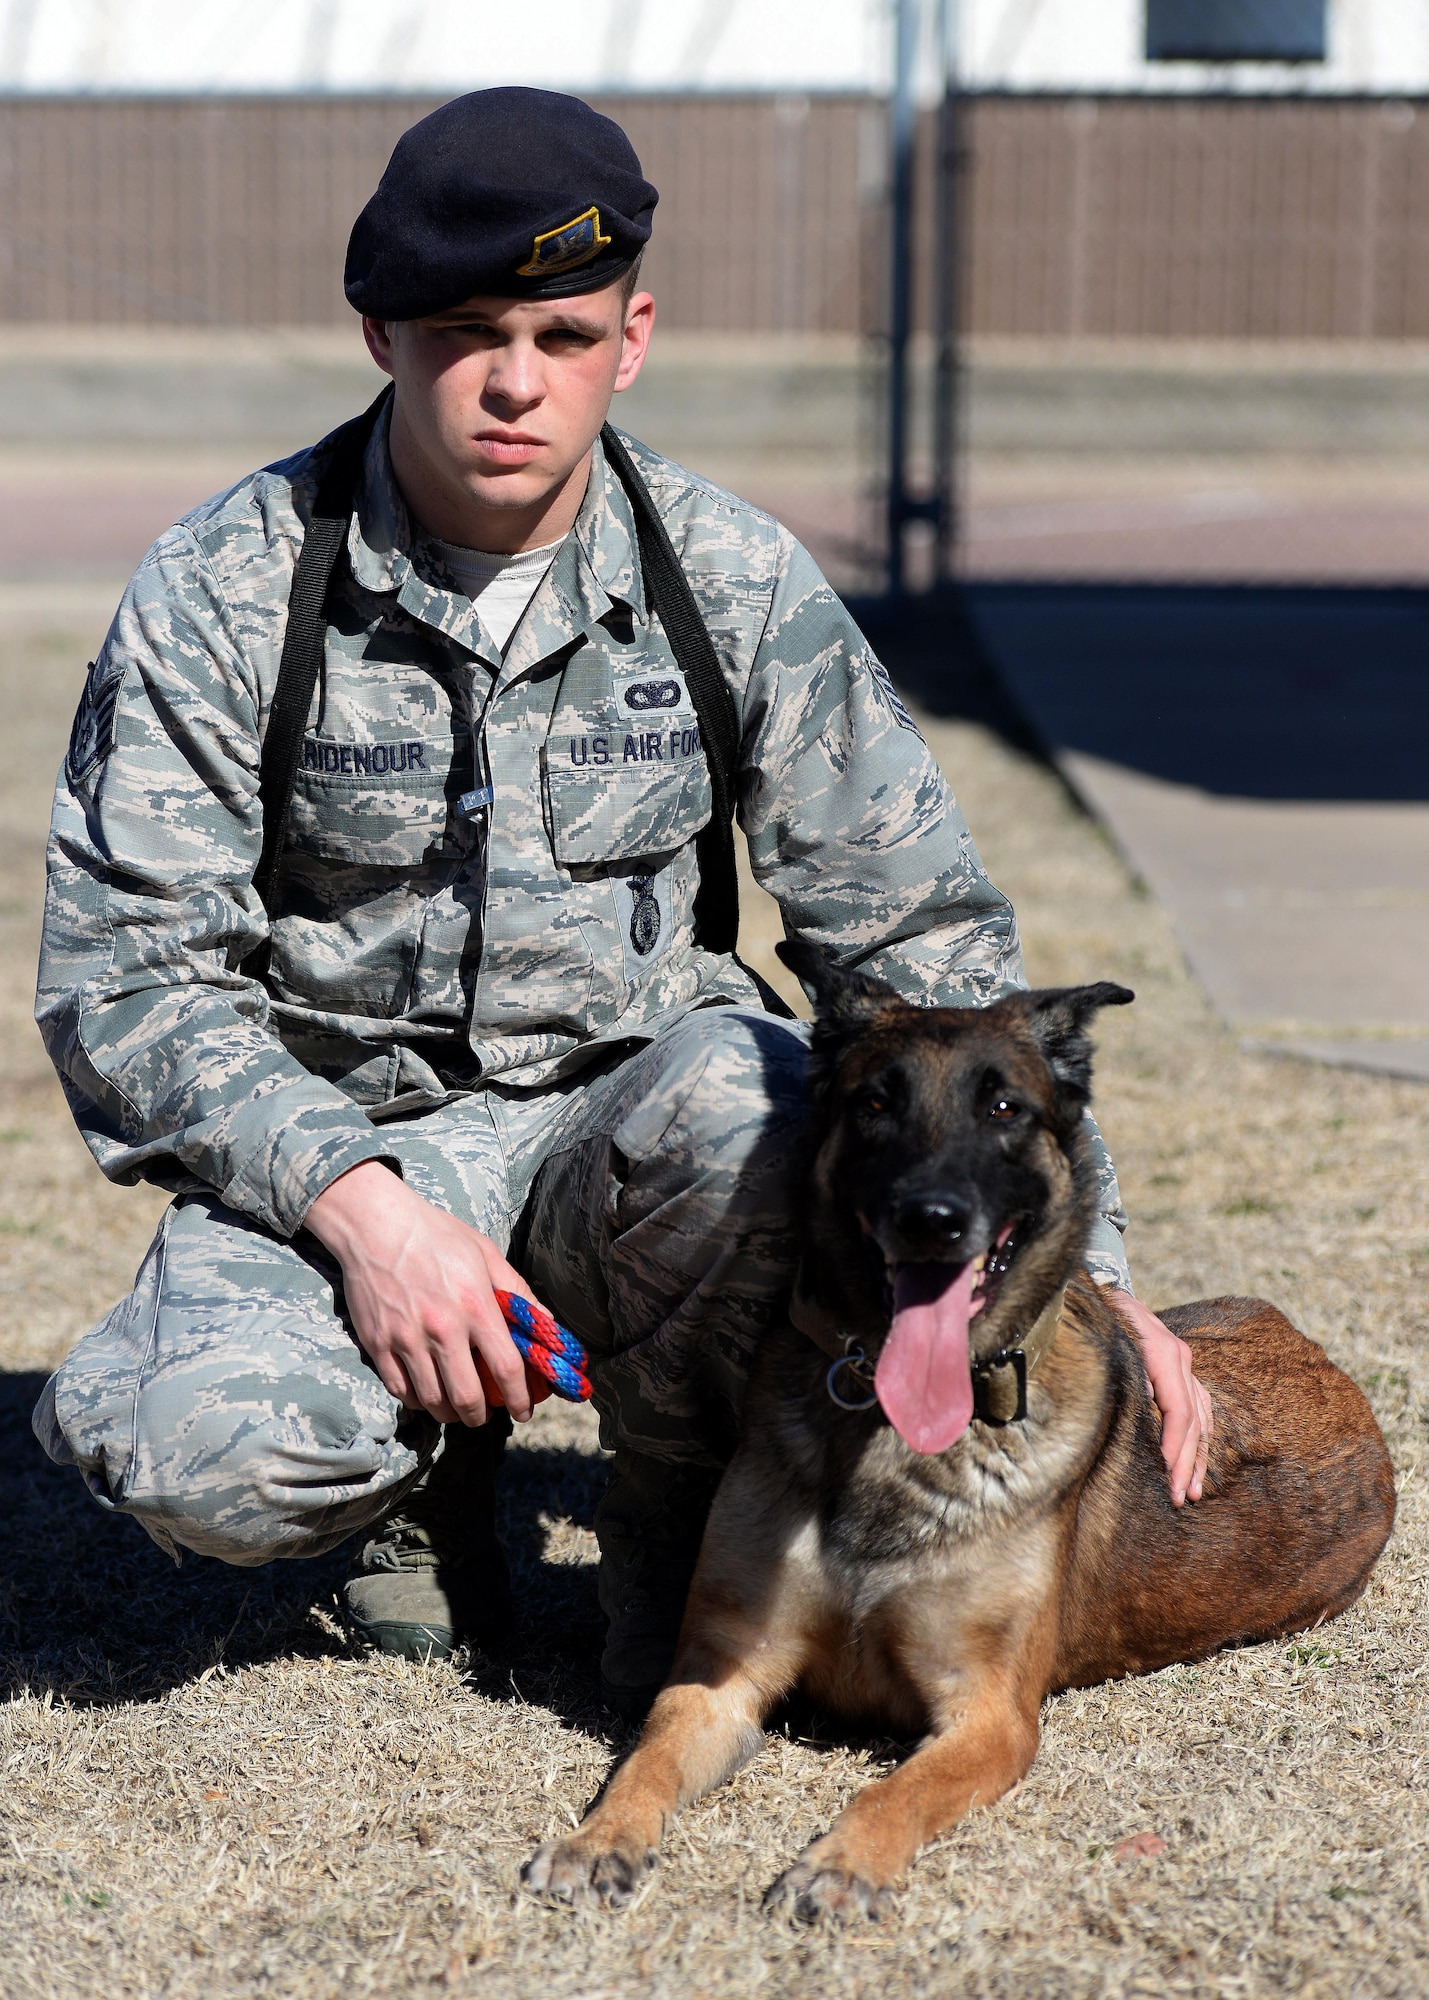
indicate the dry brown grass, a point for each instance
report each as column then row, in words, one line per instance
column 205, row 1792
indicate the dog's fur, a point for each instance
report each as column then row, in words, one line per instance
column 949, row 1594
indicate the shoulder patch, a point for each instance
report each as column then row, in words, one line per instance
column 891, row 698
column 91, row 738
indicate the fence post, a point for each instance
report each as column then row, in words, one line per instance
column 947, row 295
column 901, row 507
column 937, row 506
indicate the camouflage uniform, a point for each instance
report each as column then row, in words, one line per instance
column 482, row 971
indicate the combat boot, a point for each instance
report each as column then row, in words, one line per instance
column 434, row 1575
column 649, row 1524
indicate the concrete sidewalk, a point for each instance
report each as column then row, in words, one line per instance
column 107, row 435
column 1259, row 758
column 1084, row 459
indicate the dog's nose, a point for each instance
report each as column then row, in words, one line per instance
column 940, row 1219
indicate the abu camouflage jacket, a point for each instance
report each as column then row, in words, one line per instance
column 490, row 863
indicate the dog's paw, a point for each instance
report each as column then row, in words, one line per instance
column 808, row 1891
column 575, row 1872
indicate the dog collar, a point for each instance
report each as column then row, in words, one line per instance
column 999, row 1382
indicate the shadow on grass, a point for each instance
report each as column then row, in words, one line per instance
column 555, row 1655
column 934, row 650
column 1258, row 691
column 92, row 1612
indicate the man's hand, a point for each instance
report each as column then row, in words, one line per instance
column 1184, row 1405
column 419, row 1288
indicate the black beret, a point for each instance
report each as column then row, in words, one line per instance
column 519, row 194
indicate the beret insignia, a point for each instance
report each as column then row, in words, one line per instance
column 564, row 249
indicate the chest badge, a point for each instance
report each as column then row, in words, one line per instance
column 642, row 696
column 644, row 914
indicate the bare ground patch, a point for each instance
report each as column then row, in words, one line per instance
column 206, row 1792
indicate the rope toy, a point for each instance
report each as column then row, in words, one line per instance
column 546, row 1347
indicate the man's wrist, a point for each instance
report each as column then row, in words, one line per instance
column 341, row 1215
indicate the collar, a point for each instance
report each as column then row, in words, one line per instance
column 597, row 567
column 605, row 532
column 999, row 1382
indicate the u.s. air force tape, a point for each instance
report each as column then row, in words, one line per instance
column 472, row 803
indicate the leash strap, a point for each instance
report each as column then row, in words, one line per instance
column 547, row 1347
column 668, row 591
column 302, row 657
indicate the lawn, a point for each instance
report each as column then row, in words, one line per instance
column 207, row 1792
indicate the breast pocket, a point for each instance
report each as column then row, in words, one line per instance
column 379, row 804
column 606, row 806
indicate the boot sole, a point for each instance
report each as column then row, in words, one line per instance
column 422, row 1643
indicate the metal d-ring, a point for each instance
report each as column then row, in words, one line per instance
column 858, row 1362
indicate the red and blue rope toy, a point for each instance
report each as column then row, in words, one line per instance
column 546, row 1347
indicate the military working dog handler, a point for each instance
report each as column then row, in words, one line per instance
column 477, row 994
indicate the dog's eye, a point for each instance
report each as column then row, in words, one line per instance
column 875, row 1103
column 1002, row 1109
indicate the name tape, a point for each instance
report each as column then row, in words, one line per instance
column 363, row 760
column 648, row 746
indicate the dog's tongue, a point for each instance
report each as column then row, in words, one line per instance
column 924, row 1376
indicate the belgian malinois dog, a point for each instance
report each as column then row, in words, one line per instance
column 950, row 1499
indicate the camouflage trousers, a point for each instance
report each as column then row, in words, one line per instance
column 227, row 1406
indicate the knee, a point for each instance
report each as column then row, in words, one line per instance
column 735, row 1083
column 266, row 1465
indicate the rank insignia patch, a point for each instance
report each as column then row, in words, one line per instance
column 92, row 737
column 890, row 696
column 564, row 249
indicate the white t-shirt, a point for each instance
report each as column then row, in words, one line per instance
column 499, row 586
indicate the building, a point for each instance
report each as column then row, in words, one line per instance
column 200, row 161
column 436, row 47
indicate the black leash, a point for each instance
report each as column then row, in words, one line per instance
column 668, row 590
column 302, row 657
column 670, row 597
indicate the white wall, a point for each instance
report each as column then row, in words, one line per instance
column 793, row 45
column 442, row 45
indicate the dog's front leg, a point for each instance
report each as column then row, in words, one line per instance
column 696, row 1737
column 982, row 1748
column 742, row 1648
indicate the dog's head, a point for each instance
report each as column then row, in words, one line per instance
column 951, row 1190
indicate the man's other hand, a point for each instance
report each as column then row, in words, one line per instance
column 1184, row 1405
column 419, row 1288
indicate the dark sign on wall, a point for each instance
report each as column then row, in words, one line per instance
column 1235, row 30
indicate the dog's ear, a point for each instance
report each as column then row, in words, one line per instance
column 1058, row 1017
column 844, row 1000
